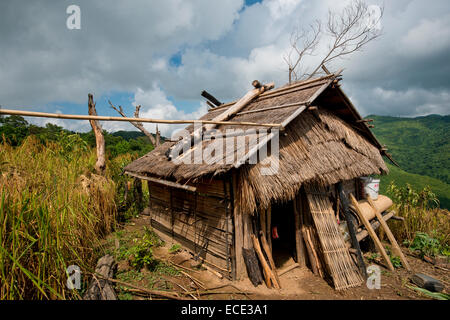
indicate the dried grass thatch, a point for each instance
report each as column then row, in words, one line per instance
column 324, row 150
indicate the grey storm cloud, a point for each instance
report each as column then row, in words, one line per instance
column 127, row 45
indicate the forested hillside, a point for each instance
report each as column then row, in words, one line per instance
column 421, row 146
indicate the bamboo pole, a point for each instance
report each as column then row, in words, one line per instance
column 391, row 237
column 147, row 120
column 268, row 252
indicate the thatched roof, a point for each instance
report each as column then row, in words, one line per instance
column 326, row 146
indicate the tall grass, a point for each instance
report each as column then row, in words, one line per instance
column 420, row 209
column 53, row 213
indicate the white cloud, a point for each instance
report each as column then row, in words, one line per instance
column 428, row 37
column 281, row 8
column 127, row 46
column 411, row 102
column 155, row 104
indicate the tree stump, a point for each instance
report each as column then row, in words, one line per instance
column 101, row 289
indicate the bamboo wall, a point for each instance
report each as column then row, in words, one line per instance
column 200, row 221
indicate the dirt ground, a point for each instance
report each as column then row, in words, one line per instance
column 299, row 283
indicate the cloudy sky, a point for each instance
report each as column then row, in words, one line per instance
column 162, row 54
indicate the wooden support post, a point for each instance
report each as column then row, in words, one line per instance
column 100, row 165
column 372, row 233
column 269, row 227
column 391, row 237
column 238, row 232
column 248, row 230
column 262, row 222
column 351, row 228
column 299, row 245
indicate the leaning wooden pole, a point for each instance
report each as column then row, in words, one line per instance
column 351, row 229
column 147, row 120
column 100, row 165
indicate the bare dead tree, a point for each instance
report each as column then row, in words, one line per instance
column 100, row 165
column 349, row 31
column 138, row 125
column 303, row 42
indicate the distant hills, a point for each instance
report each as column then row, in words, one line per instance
column 421, row 146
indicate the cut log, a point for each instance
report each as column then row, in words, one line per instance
column 427, row 282
column 253, row 268
column 99, row 288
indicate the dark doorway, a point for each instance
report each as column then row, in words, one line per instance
column 283, row 233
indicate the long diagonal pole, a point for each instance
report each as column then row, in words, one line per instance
column 147, row 120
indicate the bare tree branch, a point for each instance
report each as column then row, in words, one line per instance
column 303, row 42
column 349, row 31
column 137, row 124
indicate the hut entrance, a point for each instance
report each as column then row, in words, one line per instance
column 283, row 233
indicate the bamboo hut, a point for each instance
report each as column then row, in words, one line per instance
column 216, row 208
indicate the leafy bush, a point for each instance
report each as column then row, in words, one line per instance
column 175, row 248
column 425, row 245
column 140, row 254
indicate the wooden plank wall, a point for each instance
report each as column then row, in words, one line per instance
column 200, row 221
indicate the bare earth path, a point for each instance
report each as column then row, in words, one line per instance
column 296, row 284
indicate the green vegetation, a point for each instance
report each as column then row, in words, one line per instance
column 175, row 248
column 54, row 211
column 418, row 182
column 140, row 253
column 15, row 129
column 422, row 217
column 424, row 245
column 420, row 145
column 434, row 295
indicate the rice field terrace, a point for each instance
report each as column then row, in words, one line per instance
column 54, row 212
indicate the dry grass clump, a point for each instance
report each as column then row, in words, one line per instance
column 422, row 214
column 53, row 213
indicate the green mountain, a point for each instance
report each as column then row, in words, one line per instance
column 418, row 182
column 421, row 146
